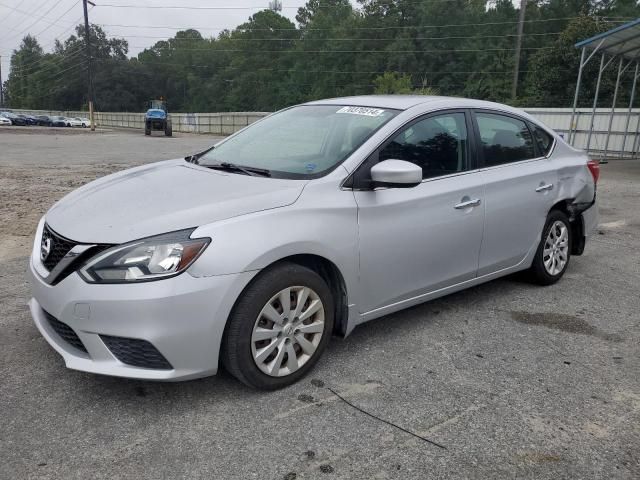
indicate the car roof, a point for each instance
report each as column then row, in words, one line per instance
column 404, row 102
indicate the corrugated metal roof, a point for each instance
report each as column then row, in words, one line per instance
column 623, row 40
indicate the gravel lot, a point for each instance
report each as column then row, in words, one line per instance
column 511, row 379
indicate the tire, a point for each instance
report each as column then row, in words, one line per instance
column 147, row 130
column 168, row 130
column 543, row 270
column 239, row 347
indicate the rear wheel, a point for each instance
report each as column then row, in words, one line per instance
column 168, row 130
column 279, row 327
column 147, row 129
column 554, row 250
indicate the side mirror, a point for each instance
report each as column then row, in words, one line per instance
column 396, row 173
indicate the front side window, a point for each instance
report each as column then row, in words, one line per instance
column 504, row 139
column 301, row 142
column 436, row 144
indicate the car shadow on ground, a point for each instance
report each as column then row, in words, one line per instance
column 369, row 335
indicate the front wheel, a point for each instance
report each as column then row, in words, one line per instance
column 554, row 251
column 279, row 327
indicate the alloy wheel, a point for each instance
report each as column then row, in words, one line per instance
column 288, row 331
column 556, row 247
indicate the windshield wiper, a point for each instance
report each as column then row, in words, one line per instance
column 253, row 171
column 195, row 158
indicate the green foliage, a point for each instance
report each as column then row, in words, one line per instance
column 392, row 82
column 457, row 47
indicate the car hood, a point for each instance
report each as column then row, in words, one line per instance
column 163, row 197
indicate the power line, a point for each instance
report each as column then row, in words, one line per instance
column 73, row 25
column 56, row 82
column 395, row 27
column 341, row 72
column 32, row 66
column 468, row 37
column 58, row 19
column 38, row 18
column 27, row 15
column 247, row 7
column 188, row 7
column 296, row 52
column 51, row 43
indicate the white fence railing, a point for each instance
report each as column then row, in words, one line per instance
column 624, row 138
column 211, row 123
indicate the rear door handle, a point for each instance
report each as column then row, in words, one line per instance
column 544, row 188
column 468, row 203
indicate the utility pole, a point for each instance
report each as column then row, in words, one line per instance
column 1, row 89
column 516, row 69
column 89, row 62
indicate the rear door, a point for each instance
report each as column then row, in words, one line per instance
column 519, row 189
column 416, row 240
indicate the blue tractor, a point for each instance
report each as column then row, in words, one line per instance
column 157, row 118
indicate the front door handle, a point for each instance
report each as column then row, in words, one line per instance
column 544, row 188
column 467, row 203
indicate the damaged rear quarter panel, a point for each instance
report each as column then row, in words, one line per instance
column 575, row 182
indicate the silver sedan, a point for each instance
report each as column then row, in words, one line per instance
column 307, row 223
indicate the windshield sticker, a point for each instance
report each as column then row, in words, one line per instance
column 369, row 112
column 310, row 167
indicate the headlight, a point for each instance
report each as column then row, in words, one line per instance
column 144, row 260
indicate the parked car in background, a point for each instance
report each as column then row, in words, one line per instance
column 74, row 122
column 15, row 119
column 85, row 121
column 4, row 120
column 43, row 120
column 307, row 223
column 58, row 121
column 29, row 119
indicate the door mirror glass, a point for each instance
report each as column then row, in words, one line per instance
column 396, row 173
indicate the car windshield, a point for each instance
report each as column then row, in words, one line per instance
column 301, row 142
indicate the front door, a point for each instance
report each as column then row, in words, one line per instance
column 417, row 240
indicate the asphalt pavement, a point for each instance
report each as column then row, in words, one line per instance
column 505, row 380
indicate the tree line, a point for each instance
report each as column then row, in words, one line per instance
column 445, row 47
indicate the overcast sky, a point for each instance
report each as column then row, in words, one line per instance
column 51, row 19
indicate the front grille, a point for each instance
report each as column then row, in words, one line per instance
column 55, row 250
column 136, row 352
column 65, row 332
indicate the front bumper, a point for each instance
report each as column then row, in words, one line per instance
column 182, row 317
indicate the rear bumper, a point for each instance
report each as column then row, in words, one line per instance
column 182, row 317
column 590, row 220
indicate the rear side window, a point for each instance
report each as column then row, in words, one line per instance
column 504, row 139
column 543, row 139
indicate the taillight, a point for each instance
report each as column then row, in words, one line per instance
column 594, row 168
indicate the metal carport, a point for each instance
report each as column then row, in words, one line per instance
column 623, row 44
